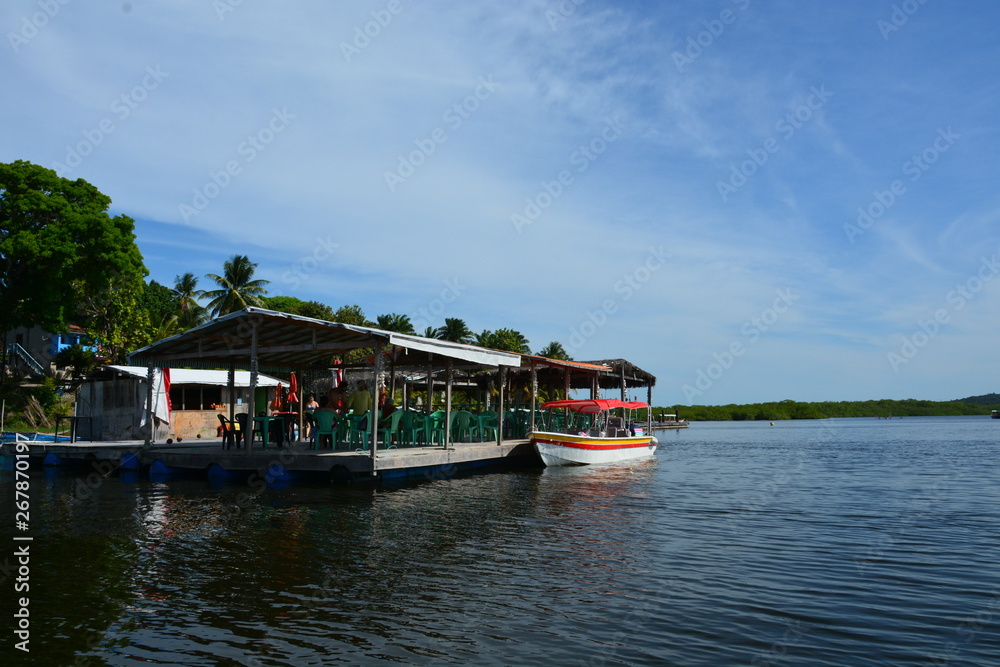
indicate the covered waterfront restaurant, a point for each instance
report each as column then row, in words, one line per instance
column 262, row 340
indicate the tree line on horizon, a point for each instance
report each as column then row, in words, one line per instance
column 789, row 409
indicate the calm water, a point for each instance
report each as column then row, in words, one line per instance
column 844, row 542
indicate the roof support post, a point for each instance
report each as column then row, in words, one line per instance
column 251, row 408
column 375, row 395
column 430, row 388
column 301, row 405
column 231, row 385
column 623, row 382
column 447, row 403
column 649, row 410
column 534, row 393
column 566, row 383
column 150, row 376
column 501, row 378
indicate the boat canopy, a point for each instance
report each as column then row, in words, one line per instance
column 593, row 406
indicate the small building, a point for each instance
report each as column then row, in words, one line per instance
column 111, row 403
column 32, row 350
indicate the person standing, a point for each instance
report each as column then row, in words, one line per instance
column 361, row 400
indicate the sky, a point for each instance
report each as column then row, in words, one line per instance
column 752, row 200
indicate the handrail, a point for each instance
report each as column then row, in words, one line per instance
column 25, row 356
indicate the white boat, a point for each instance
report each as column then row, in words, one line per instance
column 605, row 440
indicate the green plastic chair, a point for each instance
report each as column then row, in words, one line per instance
column 360, row 431
column 463, row 426
column 389, row 430
column 325, row 424
column 434, row 427
column 487, row 426
column 412, row 428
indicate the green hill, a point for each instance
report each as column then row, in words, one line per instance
column 985, row 399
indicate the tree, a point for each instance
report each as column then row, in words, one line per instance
column 283, row 304
column 316, row 310
column 395, row 322
column 165, row 327
column 238, row 289
column 352, row 315
column 296, row 306
column 79, row 358
column 115, row 317
column 158, row 301
column 57, row 242
column 504, row 339
column 430, row 332
column 455, row 330
column 185, row 293
column 555, row 350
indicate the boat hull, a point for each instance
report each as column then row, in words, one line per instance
column 557, row 449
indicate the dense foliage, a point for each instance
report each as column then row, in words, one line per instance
column 795, row 410
column 58, row 244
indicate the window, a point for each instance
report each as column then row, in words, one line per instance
column 195, row 396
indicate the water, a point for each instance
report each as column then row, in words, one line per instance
column 841, row 542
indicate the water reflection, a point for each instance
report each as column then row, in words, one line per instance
column 632, row 564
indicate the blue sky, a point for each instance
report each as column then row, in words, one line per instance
column 752, row 200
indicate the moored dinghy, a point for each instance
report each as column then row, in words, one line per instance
column 606, row 440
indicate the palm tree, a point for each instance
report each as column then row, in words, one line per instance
column 395, row 322
column 455, row 330
column 185, row 294
column 166, row 327
column 555, row 350
column 238, row 288
column 430, row 332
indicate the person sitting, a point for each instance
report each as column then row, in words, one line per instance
column 337, row 398
column 324, row 406
column 386, row 406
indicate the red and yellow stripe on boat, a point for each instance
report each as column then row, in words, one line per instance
column 586, row 442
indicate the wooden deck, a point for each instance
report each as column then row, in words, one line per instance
column 206, row 457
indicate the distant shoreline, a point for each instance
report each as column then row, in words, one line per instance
column 788, row 409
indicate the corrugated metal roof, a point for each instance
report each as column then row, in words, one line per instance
column 190, row 376
column 288, row 342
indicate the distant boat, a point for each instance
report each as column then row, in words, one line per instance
column 606, row 440
column 995, row 414
column 670, row 421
